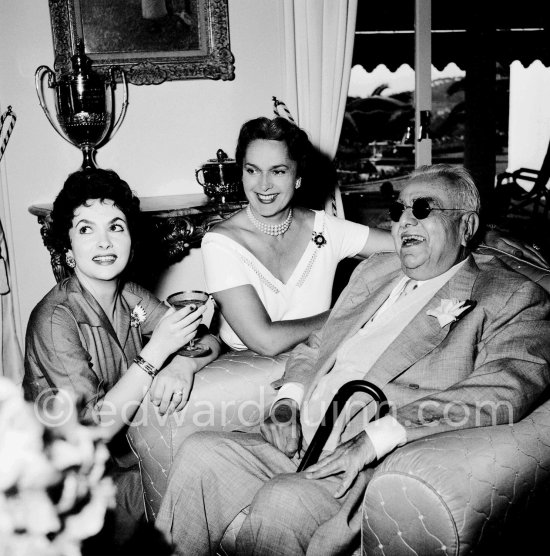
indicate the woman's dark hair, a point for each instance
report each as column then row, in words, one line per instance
column 81, row 187
column 278, row 129
column 317, row 172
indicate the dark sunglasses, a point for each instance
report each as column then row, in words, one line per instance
column 420, row 208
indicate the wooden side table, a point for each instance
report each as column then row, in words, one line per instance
column 172, row 224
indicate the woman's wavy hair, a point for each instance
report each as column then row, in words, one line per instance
column 79, row 189
column 277, row 129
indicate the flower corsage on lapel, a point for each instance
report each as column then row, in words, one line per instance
column 138, row 316
column 450, row 310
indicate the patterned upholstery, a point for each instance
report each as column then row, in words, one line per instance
column 467, row 491
column 458, row 492
column 232, row 393
column 538, row 274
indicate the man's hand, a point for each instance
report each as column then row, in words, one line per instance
column 349, row 459
column 171, row 387
column 282, row 428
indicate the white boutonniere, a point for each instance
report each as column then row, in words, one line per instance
column 138, row 316
column 450, row 310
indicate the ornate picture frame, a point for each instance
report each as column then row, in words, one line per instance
column 151, row 40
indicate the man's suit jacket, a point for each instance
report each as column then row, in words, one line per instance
column 489, row 367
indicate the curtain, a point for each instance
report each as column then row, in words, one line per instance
column 318, row 48
column 11, row 359
column 529, row 121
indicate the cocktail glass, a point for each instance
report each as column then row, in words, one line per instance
column 183, row 299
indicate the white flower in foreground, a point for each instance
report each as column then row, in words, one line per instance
column 53, row 489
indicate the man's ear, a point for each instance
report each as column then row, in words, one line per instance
column 469, row 225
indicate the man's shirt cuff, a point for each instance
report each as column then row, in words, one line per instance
column 292, row 390
column 386, row 434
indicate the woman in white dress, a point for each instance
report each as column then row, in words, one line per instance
column 271, row 266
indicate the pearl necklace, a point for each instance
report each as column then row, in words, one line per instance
column 270, row 229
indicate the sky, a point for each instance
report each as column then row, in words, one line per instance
column 362, row 83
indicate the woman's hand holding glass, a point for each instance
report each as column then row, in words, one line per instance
column 195, row 298
column 175, row 330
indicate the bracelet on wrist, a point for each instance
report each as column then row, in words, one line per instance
column 151, row 370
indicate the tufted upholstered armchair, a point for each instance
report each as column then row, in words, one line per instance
column 482, row 490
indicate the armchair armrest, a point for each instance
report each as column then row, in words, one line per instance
column 458, row 491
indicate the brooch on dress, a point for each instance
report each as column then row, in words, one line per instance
column 138, row 316
column 318, row 238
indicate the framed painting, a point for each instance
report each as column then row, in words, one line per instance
column 151, row 40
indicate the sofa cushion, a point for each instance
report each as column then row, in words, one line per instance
column 232, row 393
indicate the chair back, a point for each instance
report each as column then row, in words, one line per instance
column 540, row 275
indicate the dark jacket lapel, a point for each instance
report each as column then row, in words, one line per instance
column 129, row 300
column 124, row 319
column 85, row 307
column 87, row 310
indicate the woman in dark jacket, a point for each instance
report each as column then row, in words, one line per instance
column 85, row 338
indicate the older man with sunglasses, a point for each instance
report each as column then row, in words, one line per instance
column 454, row 342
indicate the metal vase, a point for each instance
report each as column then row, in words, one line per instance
column 84, row 103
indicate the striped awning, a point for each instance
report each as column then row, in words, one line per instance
column 516, row 30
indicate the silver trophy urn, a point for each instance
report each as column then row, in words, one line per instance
column 221, row 178
column 84, row 104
